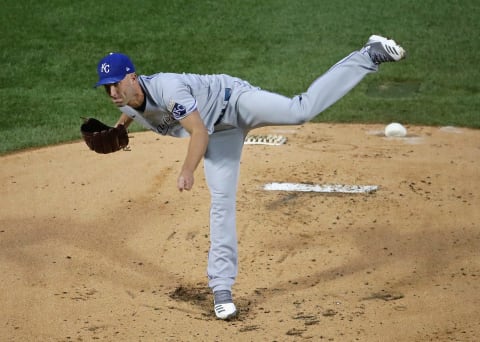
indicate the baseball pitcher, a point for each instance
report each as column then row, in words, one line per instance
column 216, row 112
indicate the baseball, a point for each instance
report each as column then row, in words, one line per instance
column 395, row 130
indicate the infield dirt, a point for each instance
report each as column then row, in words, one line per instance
column 103, row 247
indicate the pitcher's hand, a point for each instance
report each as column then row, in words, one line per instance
column 185, row 180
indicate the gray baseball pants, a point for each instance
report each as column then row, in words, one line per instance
column 257, row 108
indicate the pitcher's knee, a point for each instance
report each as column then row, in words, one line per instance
column 300, row 110
column 302, row 120
column 301, row 117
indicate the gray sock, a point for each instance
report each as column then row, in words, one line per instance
column 223, row 297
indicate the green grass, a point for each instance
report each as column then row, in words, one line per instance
column 49, row 51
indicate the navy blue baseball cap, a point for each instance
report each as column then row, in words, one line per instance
column 113, row 68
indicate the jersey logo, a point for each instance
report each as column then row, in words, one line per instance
column 177, row 109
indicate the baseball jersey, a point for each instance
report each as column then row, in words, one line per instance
column 171, row 97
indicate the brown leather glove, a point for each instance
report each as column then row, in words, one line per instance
column 102, row 138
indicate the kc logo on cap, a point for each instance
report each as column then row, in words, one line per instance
column 105, row 68
column 113, row 68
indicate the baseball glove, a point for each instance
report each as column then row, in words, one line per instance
column 102, row 138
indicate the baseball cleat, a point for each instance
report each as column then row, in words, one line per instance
column 223, row 305
column 381, row 49
column 225, row 311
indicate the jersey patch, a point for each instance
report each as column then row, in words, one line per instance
column 177, row 109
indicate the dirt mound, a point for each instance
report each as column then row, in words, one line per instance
column 104, row 246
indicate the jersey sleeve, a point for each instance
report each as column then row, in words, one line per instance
column 180, row 102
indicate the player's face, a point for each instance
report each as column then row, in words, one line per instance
column 121, row 93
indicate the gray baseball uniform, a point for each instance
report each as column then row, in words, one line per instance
column 230, row 107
